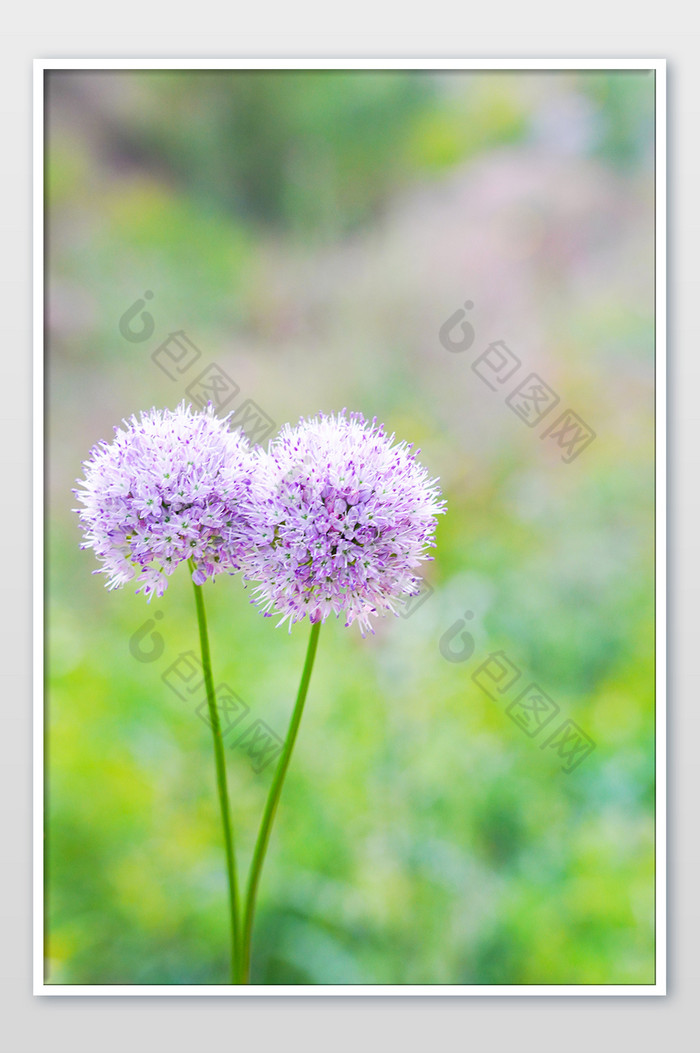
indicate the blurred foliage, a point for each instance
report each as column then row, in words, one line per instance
column 628, row 105
column 311, row 231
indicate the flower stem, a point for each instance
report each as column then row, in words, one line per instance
column 271, row 805
column 220, row 780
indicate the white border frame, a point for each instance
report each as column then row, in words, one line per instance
column 39, row 986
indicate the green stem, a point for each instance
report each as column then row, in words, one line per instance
column 220, row 780
column 271, row 805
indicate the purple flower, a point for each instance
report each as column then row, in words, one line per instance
column 344, row 519
column 172, row 486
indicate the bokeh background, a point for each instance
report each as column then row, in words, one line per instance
column 310, row 233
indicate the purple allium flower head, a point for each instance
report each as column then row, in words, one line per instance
column 347, row 519
column 172, row 486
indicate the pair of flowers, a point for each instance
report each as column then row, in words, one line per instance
column 335, row 518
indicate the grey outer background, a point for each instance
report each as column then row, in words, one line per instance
column 35, row 1025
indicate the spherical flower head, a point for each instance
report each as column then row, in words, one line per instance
column 171, row 486
column 347, row 518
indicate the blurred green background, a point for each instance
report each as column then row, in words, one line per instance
column 311, row 232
